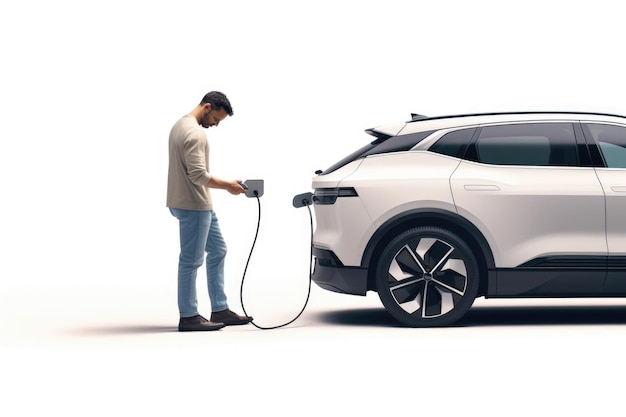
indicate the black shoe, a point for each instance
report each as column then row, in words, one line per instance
column 229, row 318
column 197, row 324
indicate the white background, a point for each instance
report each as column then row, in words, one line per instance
column 88, row 93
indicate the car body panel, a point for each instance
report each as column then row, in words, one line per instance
column 613, row 181
column 531, row 212
column 384, row 190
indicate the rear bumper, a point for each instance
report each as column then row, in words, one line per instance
column 330, row 274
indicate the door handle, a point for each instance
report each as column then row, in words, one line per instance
column 482, row 187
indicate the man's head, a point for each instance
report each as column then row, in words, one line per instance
column 214, row 107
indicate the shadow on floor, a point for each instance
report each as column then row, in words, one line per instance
column 123, row 330
column 492, row 316
column 476, row 317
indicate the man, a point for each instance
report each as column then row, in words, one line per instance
column 189, row 200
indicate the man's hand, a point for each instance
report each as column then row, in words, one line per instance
column 235, row 188
column 232, row 187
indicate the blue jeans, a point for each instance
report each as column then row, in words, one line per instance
column 199, row 233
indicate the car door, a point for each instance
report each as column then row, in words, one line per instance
column 609, row 142
column 542, row 213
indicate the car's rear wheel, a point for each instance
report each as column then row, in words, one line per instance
column 427, row 277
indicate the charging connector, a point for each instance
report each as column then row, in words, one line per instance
column 255, row 189
column 301, row 200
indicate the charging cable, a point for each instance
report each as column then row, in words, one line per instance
column 300, row 200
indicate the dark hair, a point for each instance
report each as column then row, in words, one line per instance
column 217, row 101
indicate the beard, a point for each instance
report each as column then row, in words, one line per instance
column 204, row 122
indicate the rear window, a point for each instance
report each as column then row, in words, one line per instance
column 383, row 144
column 399, row 143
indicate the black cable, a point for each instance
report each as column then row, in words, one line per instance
column 248, row 261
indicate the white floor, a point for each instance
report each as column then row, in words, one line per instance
column 343, row 355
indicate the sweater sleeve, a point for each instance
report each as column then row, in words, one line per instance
column 196, row 155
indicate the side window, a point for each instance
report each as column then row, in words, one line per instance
column 612, row 142
column 528, row 144
column 454, row 143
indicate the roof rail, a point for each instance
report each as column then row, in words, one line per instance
column 417, row 117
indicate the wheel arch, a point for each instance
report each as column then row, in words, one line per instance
column 437, row 218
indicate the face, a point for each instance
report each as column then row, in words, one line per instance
column 212, row 117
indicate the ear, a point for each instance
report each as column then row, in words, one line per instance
column 207, row 106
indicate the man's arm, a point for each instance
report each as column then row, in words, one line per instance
column 232, row 186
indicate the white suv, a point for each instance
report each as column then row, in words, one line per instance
column 437, row 211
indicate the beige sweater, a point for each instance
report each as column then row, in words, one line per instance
column 188, row 167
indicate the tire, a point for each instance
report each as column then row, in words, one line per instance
column 427, row 277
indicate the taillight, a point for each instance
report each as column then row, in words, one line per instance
column 330, row 195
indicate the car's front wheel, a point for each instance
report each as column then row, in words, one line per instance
column 426, row 277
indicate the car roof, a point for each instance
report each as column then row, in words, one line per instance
column 421, row 123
